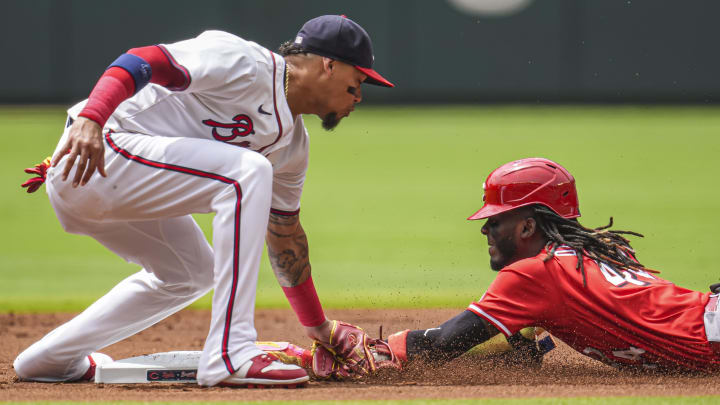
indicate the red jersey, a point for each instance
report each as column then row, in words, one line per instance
column 622, row 317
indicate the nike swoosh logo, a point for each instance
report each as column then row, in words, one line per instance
column 261, row 111
column 428, row 330
column 276, row 365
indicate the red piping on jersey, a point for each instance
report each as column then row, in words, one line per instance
column 277, row 116
column 479, row 312
column 236, row 234
column 188, row 78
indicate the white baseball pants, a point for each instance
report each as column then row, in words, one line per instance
column 141, row 211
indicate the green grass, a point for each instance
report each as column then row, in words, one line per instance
column 519, row 401
column 387, row 195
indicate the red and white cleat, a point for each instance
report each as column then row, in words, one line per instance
column 96, row 359
column 263, row 371
column 287, row 353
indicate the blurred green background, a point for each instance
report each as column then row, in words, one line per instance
column 388, row 192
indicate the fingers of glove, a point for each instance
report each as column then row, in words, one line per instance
column 32, row 184
column 381, row 350
column 321, row 361
column 350, row 346
column 33, row 170
column 342, row 372
column 359, row 355
column 324, row 364
column 383, row 355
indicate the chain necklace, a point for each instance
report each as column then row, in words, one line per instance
column 287, row 78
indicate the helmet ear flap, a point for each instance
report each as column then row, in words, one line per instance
column 526, row 182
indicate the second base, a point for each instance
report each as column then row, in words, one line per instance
column 169, row 367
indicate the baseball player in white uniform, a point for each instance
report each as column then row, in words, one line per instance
column 209, row 124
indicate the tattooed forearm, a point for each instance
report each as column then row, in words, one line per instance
column 288, row 250
column 284, row 220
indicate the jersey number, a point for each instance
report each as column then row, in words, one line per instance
column 625, row 276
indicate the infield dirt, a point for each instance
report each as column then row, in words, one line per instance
column 564, row 373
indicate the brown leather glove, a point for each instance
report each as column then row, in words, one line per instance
column 351, row 353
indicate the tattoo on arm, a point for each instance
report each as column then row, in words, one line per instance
column 288, row 250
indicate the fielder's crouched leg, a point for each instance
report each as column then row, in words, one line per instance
column 242, row 208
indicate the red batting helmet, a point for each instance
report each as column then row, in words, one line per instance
column 526, row 182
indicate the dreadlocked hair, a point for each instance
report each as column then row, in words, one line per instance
column 600, row 244
column 291, row 48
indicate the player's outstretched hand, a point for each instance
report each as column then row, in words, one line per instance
column 350, row 353
column 84, row 142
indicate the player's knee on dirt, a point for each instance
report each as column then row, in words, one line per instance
column 35, row 364
column 21, row 367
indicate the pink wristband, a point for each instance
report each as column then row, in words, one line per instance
column 305, row 302
column 398, row 344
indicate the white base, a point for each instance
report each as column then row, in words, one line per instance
column 169, row 367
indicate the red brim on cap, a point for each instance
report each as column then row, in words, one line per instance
column 374, row 77
column 489, row 210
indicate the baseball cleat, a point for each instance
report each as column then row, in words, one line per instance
column 287, row 353
column 96, row 359
column 263, row 371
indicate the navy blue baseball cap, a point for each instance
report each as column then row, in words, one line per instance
column 341, row 38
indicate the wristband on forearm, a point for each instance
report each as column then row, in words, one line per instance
column 114, row 87
column 398, row 344
column 127, row 75
column 305, row 302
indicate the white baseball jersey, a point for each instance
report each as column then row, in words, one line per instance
column 235, row 94
column 226, row 143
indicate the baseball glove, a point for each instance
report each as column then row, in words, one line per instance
column 40, row 170
column 351, row 354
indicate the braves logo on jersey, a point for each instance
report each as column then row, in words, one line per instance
column 242, row 126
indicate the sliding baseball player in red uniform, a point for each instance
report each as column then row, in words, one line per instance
column 209, row 124
column 583, row 285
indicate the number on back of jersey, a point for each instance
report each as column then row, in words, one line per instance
column 620, row 278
